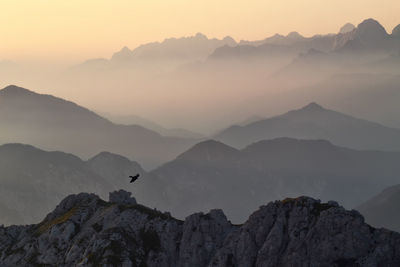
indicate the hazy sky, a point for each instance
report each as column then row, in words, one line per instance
column 81, row 29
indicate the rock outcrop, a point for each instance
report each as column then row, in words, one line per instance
column 86, row 231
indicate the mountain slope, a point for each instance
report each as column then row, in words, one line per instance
column 33, row 181
column 55, row 124
column 87, row 231
column 214, row 175
column 315, row 122
column 383, row 209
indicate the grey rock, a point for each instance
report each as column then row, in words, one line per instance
column 84, row 230
column 122, row 197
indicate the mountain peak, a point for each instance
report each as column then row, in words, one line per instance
column 13, row 90
column 371, row 29
column 199, row 35
column 313, row 106
column 294, row 35
column 229, row 40
column 123, row 54
column 348, row 27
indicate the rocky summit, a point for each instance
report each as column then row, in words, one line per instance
column 84, row 230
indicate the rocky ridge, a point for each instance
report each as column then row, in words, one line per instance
column 86, row 231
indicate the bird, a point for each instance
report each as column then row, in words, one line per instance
column 134, row 178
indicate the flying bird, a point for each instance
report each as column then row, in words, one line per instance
column 134, row 178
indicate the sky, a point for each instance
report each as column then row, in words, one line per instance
column 76, row 30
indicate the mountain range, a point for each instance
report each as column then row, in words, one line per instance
column 52, row 123
column 209, row 175
column 85, row 230
column 167, row 54
column 214, row 175
column 315, row 122
column 33, row 180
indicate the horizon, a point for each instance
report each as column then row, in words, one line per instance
column 74, row 32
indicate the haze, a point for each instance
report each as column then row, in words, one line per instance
column 185, row 63
column 77, row 30
column 212, row 105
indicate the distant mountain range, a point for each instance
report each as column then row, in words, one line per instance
column 315, row 122
column 180, row 51
column 209, row 175
column 33, row 181
column 173, row 51
column 214, row 175
column 368, row 35
column 352, row 51
column 55, row 124
column 382, row 210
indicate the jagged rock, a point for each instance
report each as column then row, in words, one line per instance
column 202, row 235
column 122, row 197
column 86, row 231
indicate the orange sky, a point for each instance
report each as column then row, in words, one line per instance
column 76, row 30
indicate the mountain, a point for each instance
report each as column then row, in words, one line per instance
column 315, row 122
column 167, row 54
column 214, row 175
column 369, row 34
column 55, row 124
column 356, row 93
column 84, row 230
column 274, row 50
column 350, row 52
column 383, row 209
column 33, row 181
column 193, row 48
column 296, row 41
column 348, row 27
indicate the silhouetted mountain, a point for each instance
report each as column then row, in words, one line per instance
column 55, row 124
column 356, row 93
column 277, row 46
column 214, row 175
column 383, row 209
column 85, row 230
column 369, row 34
column 348, row 27
column 33, row 181
column 185, row 48
column 351, row 52
column 296, row 41
column 315, row 122
column 168, row 54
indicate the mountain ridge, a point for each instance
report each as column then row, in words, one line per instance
column 315, row 122
column 240, row 180
column 53, row 123
column 92, row 232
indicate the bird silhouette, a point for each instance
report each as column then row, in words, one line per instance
column 134, row 178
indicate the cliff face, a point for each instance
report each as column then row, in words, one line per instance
column 86, row 231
